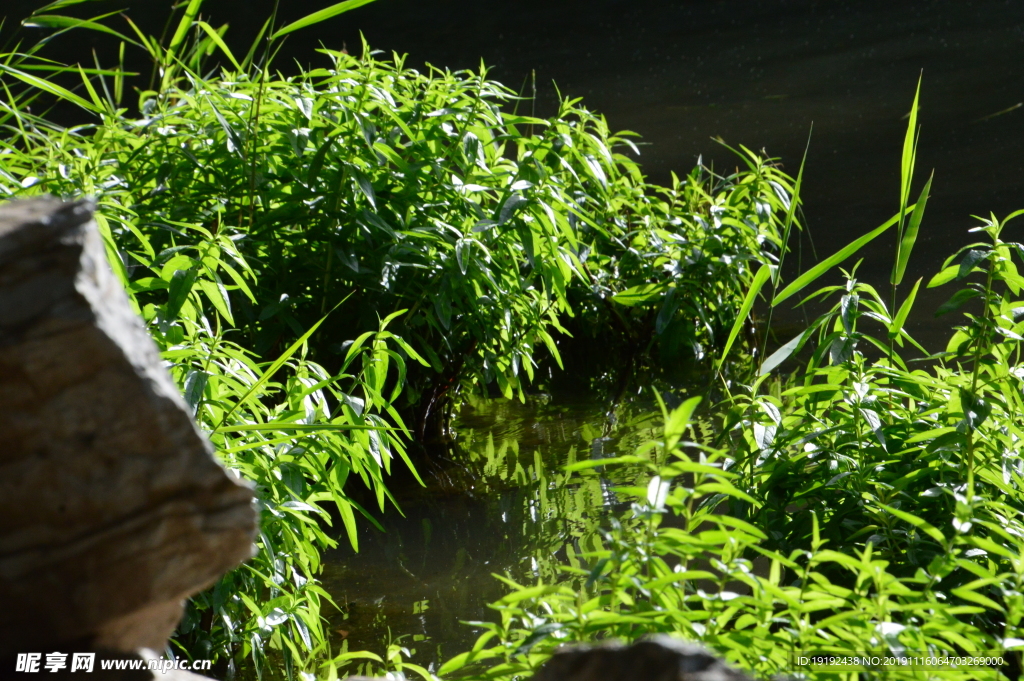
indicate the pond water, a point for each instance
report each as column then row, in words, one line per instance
column 501, row 505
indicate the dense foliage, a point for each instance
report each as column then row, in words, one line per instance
column 325, row 257
column 320, row 257
column 857, row 506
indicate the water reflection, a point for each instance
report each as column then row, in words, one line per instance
column 503, row 505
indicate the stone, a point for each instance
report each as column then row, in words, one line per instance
column 114, row 509
column 658, row 658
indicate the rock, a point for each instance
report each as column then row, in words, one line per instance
column 659, row 658
column 114, row 508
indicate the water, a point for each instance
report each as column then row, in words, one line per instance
column 502, row 505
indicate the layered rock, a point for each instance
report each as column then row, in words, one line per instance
column 112, row 507
column 658, row 658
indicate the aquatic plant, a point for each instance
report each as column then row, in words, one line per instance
column 856, row 506
column 322, row 256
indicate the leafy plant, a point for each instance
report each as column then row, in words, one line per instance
column 859, row 505
column 322, row 256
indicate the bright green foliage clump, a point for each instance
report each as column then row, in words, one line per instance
column 319, row 256
column 858, row 506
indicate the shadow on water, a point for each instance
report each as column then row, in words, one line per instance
column 503, row 505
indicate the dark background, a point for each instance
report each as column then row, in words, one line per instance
column 754, row 72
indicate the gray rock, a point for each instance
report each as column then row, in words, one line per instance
column 112, row 507
column 659, row 658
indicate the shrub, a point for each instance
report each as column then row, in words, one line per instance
column 320, row 256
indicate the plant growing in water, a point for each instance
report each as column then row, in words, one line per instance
column 322, row 256
column 861, row 506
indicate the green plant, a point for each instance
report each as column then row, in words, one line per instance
column 260, row 222
column 858, row 505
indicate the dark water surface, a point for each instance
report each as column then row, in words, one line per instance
column 754, row 72
column 502, row 505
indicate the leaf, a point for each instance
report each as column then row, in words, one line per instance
column 47, row 86
column 958, row 300
column 970, row 261
column 910, row 235
column 536, row 636
column 218, row 295
column 317, row 17
column 783, row 353
column 668, row 310
column 904, row 312
column 920, row 524
column 839, row 256
column 508, row 209
column 219, row 42
column 909, row 150
column 62, row 22
column 183, row 26
column 181, row 285
column 848, row 311
column 638, row 294
column 195, row 385
column 748, row 302
column 945, row 276
column 366, row 187
column 462, row 252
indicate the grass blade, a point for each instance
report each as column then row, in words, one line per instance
column 186, row 23
column 910, row 235
column 47, row 86
column 810, row 275
column 67, row 23
column 317, row 17
column 791, row 213
column 755, row 287
column 215, row 37
column 909, row 151
column 783, row 353
column 904, row 312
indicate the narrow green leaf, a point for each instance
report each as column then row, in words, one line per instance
column 910, row 235
column 317, row 17
column 944, row 277
column 920, row 524
column 636, row 295
column 794, row 201
column 741, row 318
column 783, row 353
column 183, row 26
column 47, row 86
column 66, row 23
column 215, row 37
column 825, row 265
column 909, row 150
column 904, row 312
